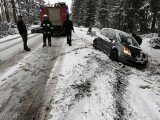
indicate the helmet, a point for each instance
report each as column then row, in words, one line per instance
column 45, row 15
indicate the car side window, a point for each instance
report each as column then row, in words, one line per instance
column 111, row 34
column 106, row 33
column 102, row 32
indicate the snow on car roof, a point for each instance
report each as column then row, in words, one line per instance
column 117, row 31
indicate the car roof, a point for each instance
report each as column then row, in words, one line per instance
column 117, row 31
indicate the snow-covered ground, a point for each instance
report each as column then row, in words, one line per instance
column 76, row 82
column 92, row 87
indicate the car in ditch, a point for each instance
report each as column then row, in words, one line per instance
column 120, row 46
column 35, row 27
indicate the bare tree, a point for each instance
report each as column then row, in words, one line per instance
column 14, row 10
column 2, row 11
column 6, row 10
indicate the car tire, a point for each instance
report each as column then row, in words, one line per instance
column 146, row 65
column 114, row 55
column 95, row 43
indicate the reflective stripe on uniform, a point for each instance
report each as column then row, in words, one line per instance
column 48, row 25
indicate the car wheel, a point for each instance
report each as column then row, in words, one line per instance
column 146, row 65
column 114, row 55
column 95, row 43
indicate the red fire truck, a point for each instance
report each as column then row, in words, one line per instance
column 56, row 14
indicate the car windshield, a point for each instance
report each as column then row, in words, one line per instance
column 128, row 40
column 36, row 23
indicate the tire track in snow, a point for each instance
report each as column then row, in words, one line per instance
column 119, row 87
column 82, row 84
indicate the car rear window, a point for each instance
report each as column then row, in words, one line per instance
column 128, row 40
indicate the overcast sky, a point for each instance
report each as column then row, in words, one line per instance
column 68, row 2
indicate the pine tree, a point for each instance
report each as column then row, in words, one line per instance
column 77, row 11
column 103, row 14
column 89, row 13
column 155, row 8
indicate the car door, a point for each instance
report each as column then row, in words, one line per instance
column 100, row 42
column 105, row 40
column 110, row 40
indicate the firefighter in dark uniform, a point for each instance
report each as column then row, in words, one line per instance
column 46, row 27
column 67, row 28
column 23, row 32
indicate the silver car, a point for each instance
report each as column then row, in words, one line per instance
column 120, row 46
column 35, row 28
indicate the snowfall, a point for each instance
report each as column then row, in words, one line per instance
column 75, row 82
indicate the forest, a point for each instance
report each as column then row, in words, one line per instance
column 127, row 15
column 11, row 9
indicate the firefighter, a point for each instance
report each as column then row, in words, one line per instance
column 23, row 32
column 46, row 30
column 67, row 28
column 137, row 38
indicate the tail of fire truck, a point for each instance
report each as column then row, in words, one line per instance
column 56, row 14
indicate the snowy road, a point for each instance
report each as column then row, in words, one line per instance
column 76, row 83
column 4, row 45
column 24, row 79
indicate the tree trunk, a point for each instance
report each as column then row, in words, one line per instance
column 130, row 24
column 1, row 13
column 14, row 11
column 6, row 11
column 154, row 20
